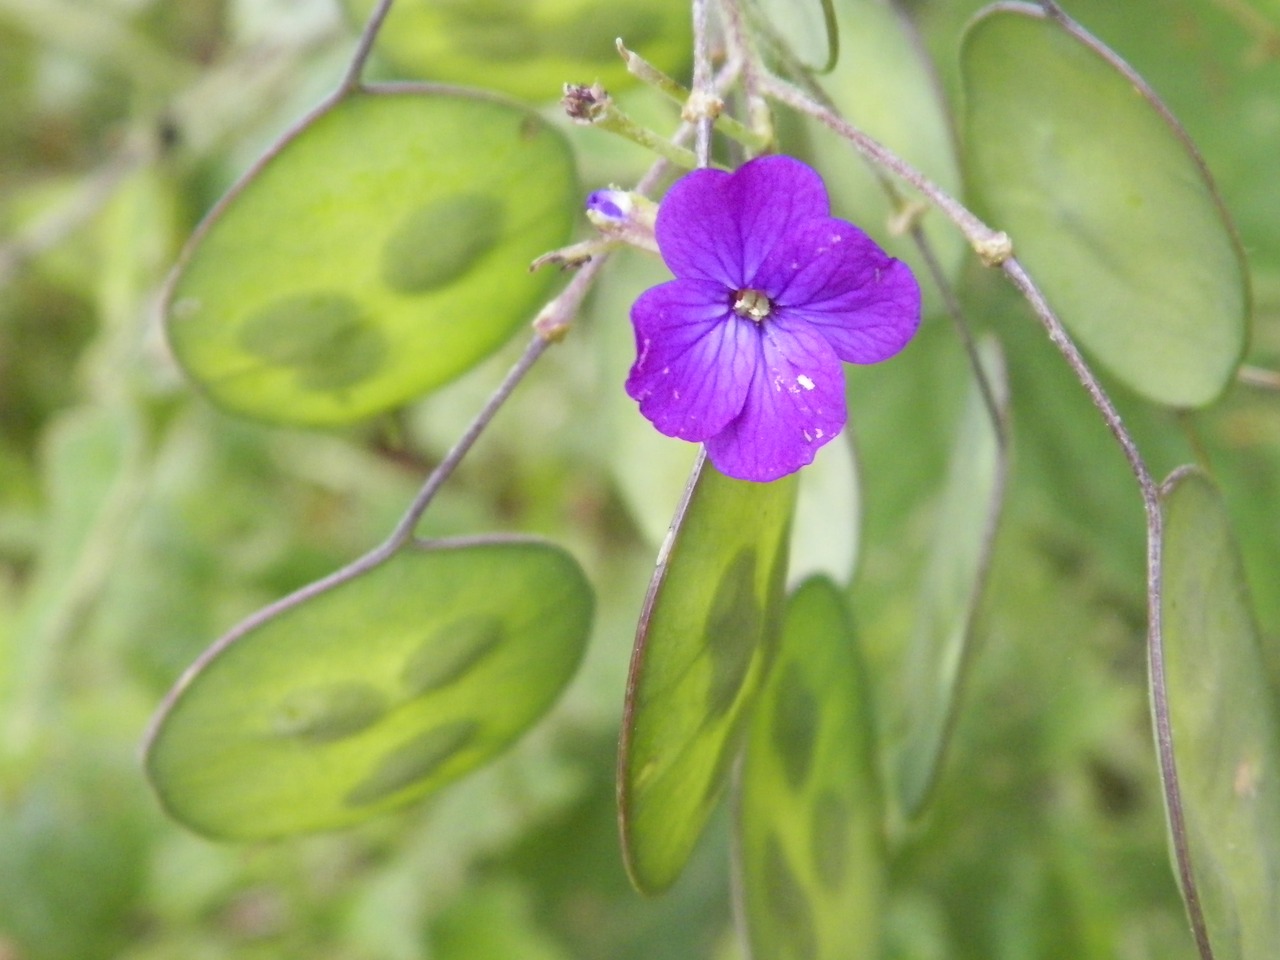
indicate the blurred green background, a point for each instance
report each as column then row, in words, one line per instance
column 137, row 523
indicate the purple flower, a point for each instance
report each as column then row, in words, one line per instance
column 743, row 350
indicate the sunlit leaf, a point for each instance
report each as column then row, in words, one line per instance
column 954, row 579
column 705, row 638
column 1108, row 204
column 1226, row 731
column 809, row 817
column 380, row 252
column 824, row 536
column 372, row 693
column 530, row 48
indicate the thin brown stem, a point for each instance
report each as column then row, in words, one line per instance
column 991, row 245
column 364, row 47
column 702, row 87
column 403, row 532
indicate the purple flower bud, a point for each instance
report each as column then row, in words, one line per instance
column 611, row 205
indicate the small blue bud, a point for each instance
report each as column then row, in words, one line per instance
column 609, row 204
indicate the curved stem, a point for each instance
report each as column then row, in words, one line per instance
column 403, row 531
column 1155, row 576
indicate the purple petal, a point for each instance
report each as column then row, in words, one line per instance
column 694, row 358
column 795, row 405
column 719, row 226
column 830, row 273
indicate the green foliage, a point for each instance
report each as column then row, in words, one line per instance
column 386, row 686
column 408, row 219
column 706, row 638
column 1107, row 202
column 441, row 720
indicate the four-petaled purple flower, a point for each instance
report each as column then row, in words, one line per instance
column 743, row 350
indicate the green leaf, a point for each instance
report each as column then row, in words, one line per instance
column 1107, row 202
column 1214, row 65
column 530, row 48
column 380, row 252
column 705, row 638
column 954, row 579
column 372, row 693
column 809, row 818
column 1226, row 732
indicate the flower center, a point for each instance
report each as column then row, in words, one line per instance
column 751, row 304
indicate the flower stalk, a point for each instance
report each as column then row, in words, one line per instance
column 592, row 106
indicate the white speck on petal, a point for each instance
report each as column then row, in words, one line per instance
column 819, row 434
column 805, row 382
column 675, row 394
column 807, row 436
